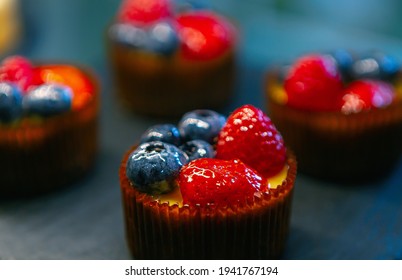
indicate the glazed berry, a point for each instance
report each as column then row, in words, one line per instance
column 222, row 182
column 153, row 167
column 313, row 83
column 204, row 35
column 375, row 65
column 18, row 70
column 70, row 76
column 198, row 149
column 129, row 35
column 10, row 102
column 249, row 135
column 48, row 99
column 163, row 38
column 366, row 94
column 167, row 133
column 201, row 124
column 344, row 61
column 144, row 11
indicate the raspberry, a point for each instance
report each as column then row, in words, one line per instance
column 18, row 70
column 220, row 182
column 250, row 136
column 204, row 35
column 314, row 83
column 366, row 94
column 144, row 11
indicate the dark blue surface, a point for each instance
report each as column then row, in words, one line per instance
column 329, row 221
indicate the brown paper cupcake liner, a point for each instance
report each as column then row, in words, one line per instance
column 331, row 145
column 38, row 156
column 256, row 229
column 170, row 86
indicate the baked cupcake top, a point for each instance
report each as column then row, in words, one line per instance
column 30, row 92
column 167, row 27
column 207, row 159
column 341, row 81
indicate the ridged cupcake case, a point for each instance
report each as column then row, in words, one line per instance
column 38, row 156
column 256, row 229
column 170, row 86
column 353, row 148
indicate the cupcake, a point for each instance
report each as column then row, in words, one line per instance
column 341, row 113
column 208, row 188
column 167, row 60
column 48, row 125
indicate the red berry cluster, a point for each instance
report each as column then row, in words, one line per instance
column 203, row 34
column 249, row 150
column 314, row 83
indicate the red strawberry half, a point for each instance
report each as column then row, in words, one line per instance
column 366, row 94
column 250, row 136
column 204, row 35
column 314, row 83
column 144, row 11
column 220, row 182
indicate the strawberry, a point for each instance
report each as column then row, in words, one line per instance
column 18, row 70
column 204, row 35
column 70, row 76
column 314, row 83
column 366, row 94
column 221, row 182
column 250, row 136
column 144, row 11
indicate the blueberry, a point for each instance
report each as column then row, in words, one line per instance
column 47, row 100
column 10, row 102
column 129, row 35
column 162, row 38
column 167, row 133
column 389, row 66
column 153, row 166
column 344, row 60
column 198, row 149
column 201, row 124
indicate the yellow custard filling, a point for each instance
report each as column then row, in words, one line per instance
column 174, row 197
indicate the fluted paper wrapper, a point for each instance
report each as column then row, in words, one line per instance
column 255, row 229
column 169, row 86
column 37, row 157
column 352, row 148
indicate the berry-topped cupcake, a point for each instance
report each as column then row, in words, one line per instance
column 48, row 125
column 341, row 113
column 209, row 188
column 167, row 60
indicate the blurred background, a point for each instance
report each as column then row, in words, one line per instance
column 85, row 222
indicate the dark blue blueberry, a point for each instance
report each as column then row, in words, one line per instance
column 167, row 133
column 162, row 38
column 129, row 34
column 198, row 149
column 344, row 60
column 201, row 124
column 389, row 66
column 47, row 100
column 153, row 166
column 10, row 102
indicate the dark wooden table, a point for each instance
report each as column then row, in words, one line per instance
column 329, row 221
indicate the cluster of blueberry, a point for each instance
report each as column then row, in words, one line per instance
column 19, row 97
column 44, row 100
column 370, row 65
column 153, row 166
